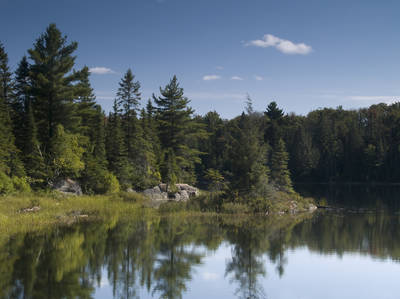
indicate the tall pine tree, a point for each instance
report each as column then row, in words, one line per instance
column 177, row 132
column 53, row 85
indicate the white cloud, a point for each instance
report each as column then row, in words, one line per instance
column 100, row 70
column 211, row 77
column 237, row 78
column 210, row 276
column 219, row 68
column 258, row 78
column 283, row 45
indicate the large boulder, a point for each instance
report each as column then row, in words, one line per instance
column 160, row 192
column 156, row 193
column 68, row 186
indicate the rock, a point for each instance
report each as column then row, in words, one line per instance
column 184, row 192
column 155, row 193
column 191, row 191
column 68, row 186
column 312, row 208
column 184, row 195
column 30, row 210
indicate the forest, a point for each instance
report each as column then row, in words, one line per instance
column 52, row 128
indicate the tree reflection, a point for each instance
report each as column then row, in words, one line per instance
column 158, row 254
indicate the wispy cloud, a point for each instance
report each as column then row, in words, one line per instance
column 211, row 77
column 219, row 67
column 237, row 78
column 100, row 70
column 258, row 78
column 283, row 45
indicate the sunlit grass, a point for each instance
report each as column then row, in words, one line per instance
column 57, row 209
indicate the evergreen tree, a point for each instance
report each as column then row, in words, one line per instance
column 116, row 150
column 32, row 154
column 128, row 98
column 177, row 131
column 274, row 124
column 6, row 83
column 280, row 174
column 9, row 155
column 21, row 100
column 53, row 83
column 247, row 157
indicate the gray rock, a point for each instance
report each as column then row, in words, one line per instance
column 184, row 193
column 68, row 186
column 156, row 193
column 312, row 208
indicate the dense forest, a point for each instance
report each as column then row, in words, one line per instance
column 51, row 127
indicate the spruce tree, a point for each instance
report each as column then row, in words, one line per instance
column 280, row 174
column 128, row 98
column 21, row 100
column 6, row 83
column 10, row 162
column 177, row 131
column 116, row 150
column 32, row 154
column 249, row 173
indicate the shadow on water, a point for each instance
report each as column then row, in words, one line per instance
column 157, row 256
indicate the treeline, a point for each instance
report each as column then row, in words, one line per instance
column 345, row 145
column 52, row 128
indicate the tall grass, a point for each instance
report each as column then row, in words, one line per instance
column 58, row 209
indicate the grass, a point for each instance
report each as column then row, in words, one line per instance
column 58, row 209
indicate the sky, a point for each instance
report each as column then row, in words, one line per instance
column 304, row 54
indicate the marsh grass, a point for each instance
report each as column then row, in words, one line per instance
column 58, row 209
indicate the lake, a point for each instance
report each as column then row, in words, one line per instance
column 349, row 253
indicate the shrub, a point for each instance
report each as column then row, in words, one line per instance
column 21, row 184
column 6, row 184
column 111, row 184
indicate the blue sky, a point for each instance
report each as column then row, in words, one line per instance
column 302, row 54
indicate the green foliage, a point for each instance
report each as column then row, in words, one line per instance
column 6, row 184
column 280, row 174
column 53, row 85
column 111, row 184
column 66, row 153
column 21, row 184
column 178, row 133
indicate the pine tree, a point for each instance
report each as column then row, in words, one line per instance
column 9, row 155
column 53, row 84
column 6, row 83
column 274, row 124
column 177, row 131
column 247, row 157
column 280, row 174
column 32, row 154
column 21, row 100
column 116, row 150
column 128, row 98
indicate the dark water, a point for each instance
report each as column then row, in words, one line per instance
column 347, row 254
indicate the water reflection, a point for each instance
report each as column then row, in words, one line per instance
column 160, row 256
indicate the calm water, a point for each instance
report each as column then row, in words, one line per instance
column 349, row 254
